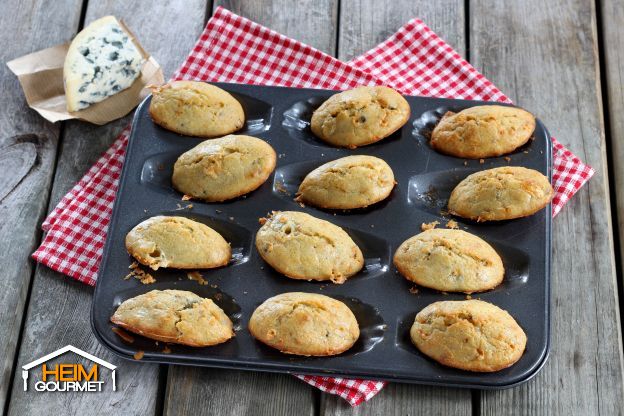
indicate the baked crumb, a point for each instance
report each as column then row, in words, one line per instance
column 218, row 211
column 218, row 296
column 123, row 334
column 429, row 226
column 139, row 274
column 214, row 286
column 301, row 204
column 279, row 186
column 526, row 152
column 481, row 161
column 465, row 163
column 468, row 297
column 186, row 197
column 139, row 355
column 508, row 159
column 452, row 224
column 195, row 275
column 166, row 350
column 413, row 290
column 146, row 279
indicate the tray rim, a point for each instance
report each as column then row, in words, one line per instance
column 274, row 368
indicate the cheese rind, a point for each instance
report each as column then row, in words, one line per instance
column 101, row 61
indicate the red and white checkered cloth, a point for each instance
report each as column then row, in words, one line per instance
column 414, row 61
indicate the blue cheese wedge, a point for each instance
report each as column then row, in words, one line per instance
column 101, row 61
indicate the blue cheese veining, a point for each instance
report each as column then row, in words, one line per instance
column 101, row 61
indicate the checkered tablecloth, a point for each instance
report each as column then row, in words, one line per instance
column 414, row 60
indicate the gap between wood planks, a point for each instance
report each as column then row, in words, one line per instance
column 606, row 112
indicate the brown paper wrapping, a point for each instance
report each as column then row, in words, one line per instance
column 41, row 76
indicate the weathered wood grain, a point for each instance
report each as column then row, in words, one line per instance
column 544, row 55
column 227, row 392
column 59, row 309
column 366, row 23
column 363, row 25
column 27, row 161
column 612, row 13
column 309, row 21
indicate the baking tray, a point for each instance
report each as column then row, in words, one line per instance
column 379, row 297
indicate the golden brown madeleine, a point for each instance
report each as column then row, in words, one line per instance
column 483, row 131
column 177, row 242
column 500, row 194
column 305, row 324
column 469, row 334
column 175, row 316
column 196, row 108
column 360, row 116
column 346, row 183
column 450, row 261
column 301, row 246
column 221, row 169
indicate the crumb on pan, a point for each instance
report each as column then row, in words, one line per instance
column 481, row 161
column 195, row 275
column 429, row 226
column 139, row 274
column 413, row 290
column 186, row 197
column 139, row 355
column 452, row 224
column 166, row 350
column 508, row 159
column 279, row 186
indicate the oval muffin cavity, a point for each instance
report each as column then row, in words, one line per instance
column 449, row 260
column 360, row 116
column 301, row 246
column 348, row 183
column 196, row 108
column 175, row 316
column 177, row 242
column 305, row 324
column 220, row 169
column 483, row 131
column 501, row 194
column 471, row 335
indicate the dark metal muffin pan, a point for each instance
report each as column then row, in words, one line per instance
column 379, row 297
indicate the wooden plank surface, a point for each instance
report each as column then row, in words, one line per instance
column 544, row 55
column 613, row 49
column 27, row 161
column 59, row 308
column 228, row 392
column 364, row 24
